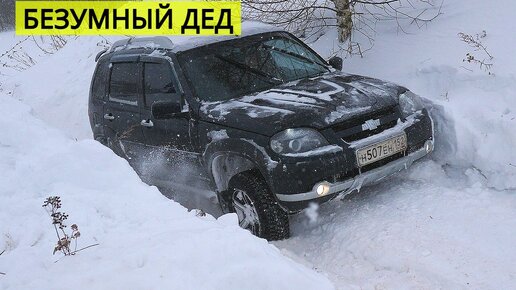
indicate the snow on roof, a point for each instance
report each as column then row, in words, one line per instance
column 181, row 43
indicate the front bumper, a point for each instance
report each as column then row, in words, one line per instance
column 369, row 177
column 296, row 183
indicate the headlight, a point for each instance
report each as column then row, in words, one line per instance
column 410, row 103
column 297, row 141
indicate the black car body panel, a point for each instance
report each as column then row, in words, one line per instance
column 216, row 140
column 316, row 103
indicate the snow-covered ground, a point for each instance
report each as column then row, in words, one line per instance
column 146, row 241
column 448, row 223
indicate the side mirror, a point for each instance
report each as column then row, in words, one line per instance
column 165, row 110
column 335, row 62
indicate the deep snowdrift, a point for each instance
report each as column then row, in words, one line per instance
column 447, row 223
column 429, row 61
column 450, row 222
column 146, row 241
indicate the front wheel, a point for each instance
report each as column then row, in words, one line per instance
column 257, row 209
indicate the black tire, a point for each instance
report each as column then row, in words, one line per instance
column 273, row 223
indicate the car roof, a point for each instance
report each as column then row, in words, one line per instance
column 182, row 43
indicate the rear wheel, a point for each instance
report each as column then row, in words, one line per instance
column 256, row 208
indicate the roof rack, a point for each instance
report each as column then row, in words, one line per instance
column 100, row 54
column 156, row 42
column 162, row 42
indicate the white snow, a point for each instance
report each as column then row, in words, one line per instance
column 429, row 61
column 447, row 223
column 343, row 111
column 221, row 109
column 279, row 97
column 312, row 212
column 160, row 54
column 317, row 151
column 271, row 164
column 425, row 228
column 218, row 135
column 145, row 240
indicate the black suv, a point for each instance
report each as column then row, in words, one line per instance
column 262, row 119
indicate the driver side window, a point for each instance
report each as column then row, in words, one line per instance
column 159, row 84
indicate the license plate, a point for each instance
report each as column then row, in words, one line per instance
column 380, row 150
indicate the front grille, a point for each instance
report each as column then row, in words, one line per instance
column 351, row 130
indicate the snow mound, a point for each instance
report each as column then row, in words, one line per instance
column 145, row 240
column 449, row 222
column 429, row 61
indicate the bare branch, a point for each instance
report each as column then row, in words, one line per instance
column 475, row 42
column 310, row 19
column 2, row 273
column 52, row 205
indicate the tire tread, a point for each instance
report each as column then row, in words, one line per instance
column 275, row 223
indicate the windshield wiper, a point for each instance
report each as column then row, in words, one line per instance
column 269, row 78
column 296, row 56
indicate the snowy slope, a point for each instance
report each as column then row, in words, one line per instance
column 146, row 241
column 449, row 223
column 429, row 61
column 57, row 87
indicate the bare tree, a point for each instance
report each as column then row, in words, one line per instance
column 18, row 58
column 344, row 17
column 309, row 18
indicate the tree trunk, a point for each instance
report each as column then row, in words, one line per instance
column 344, row 19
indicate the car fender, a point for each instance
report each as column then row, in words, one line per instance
column 228, row 157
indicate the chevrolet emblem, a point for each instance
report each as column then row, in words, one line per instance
column 371, row 124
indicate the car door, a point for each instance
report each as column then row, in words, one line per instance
column 169, row 140
column 97, row 100
column 122, row 112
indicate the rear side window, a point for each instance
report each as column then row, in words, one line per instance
column 124, row 83
column 100, row 80
column 159, row 84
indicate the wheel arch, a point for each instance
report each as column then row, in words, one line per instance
column 226, row 165
column 229, row 157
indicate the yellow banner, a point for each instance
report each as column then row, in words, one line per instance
column 128, row 18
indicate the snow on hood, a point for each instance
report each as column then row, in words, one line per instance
column 316, row 102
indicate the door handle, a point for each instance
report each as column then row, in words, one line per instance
column 109, row 117
column 147, row 123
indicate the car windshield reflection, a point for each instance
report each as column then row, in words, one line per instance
column 235, row 68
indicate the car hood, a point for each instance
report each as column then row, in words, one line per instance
column 317, row 103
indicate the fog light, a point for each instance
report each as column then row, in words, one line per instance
column 322, row 188
column 429, row 146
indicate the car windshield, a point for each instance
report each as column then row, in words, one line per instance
column 231, row 69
